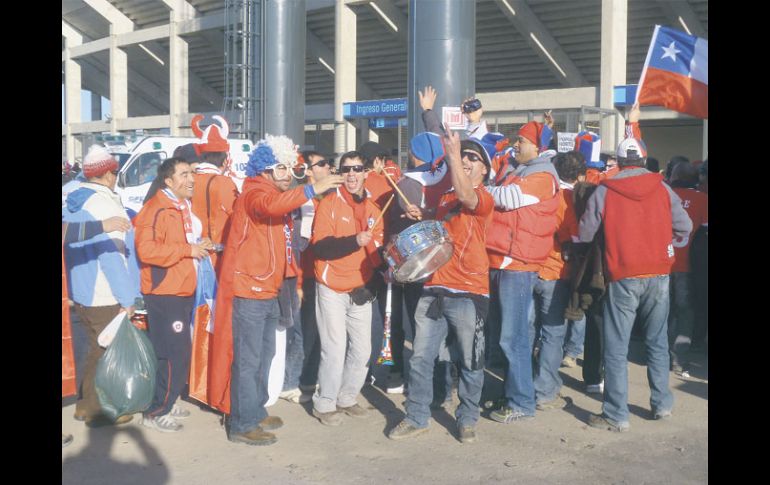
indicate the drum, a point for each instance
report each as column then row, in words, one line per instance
column 418, row 251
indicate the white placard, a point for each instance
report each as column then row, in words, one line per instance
column 566, row 141
column 453, row 118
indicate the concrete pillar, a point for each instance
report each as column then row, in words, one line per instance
column 118, row 81
column 442, row 53
column 72, row 113
column 613, row 66
column 96, row 107
column 345, row 46
column 179, row 80
column 285, row 28
column 705, row 139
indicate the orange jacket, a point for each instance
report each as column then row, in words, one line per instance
column 257, row 239
column 334, row 218
column 554, row 267
column 379, row 188
column 165, row 256
column 212, row 203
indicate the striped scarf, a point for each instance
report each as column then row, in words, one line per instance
column 184, row 206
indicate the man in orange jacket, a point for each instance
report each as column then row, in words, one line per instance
column 168, row 245
column 257, row 256
column 214, row 193
column 347, row 233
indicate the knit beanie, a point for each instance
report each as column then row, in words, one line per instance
column 98, row 161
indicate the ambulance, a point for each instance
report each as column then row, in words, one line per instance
column 145, row 156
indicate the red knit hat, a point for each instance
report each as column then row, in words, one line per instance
column 532, row 131
column 97, row 162
column 214, row 138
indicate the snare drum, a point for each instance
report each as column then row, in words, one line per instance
column 419, row 250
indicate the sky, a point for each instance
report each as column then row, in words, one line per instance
column 85, row 106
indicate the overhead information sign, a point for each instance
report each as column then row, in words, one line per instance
column 380, row 108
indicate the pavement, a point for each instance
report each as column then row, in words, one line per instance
column 557, row 447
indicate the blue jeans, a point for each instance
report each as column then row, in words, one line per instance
column 514, row 297
column 295, row 352
column 625, row 298
column 550, row 300
column 576, row 336
column 254, row 324
column 459, row 314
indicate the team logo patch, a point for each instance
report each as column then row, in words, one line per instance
column 370, row 222
column 177, row 326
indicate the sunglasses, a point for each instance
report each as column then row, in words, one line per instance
column 321, row 164
column 115, row 172
column 355, row 168
column 472, row 156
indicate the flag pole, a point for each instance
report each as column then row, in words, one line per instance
column 646, row 63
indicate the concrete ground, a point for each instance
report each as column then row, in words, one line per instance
column 556, row 447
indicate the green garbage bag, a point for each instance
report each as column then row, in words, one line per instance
column 125, row 374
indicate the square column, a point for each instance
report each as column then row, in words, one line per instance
column 179, row 80
column 613, row 67
column 345, row 47
column 118, row 81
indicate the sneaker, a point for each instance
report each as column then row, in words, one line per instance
column 568, row 361
column 101, row 420
column 676, row 368
column 270, row 423
column 595, row 388
column 355, row 410
column 80, row 416
column 467, row 434
column 255, row 437
column 291, row 395
column 661, row 415
column 685, row 374
column 164, row 424
column 331, row 418
column 66, row 440
column 601, row 422
column 178, row 412
column 559, row 402
column 405, row 430
column 395, row 384
column 507, row 415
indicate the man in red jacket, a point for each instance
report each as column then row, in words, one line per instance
column 641, row 215
column 257, row 257
column 518, row 243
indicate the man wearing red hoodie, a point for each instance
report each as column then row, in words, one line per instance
column 641, row 216
column 256, row 259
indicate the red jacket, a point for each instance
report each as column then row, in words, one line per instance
column 637, row 227
column 525, row 234
column 165, row 256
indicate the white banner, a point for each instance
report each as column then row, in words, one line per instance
column 453, row 118
column 566, row 142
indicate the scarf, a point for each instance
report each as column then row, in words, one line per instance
column 183, row 206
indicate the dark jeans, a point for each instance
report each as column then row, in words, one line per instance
column 254, row 324
column 593, row 365
column 295, row 352
column 93, row 320
column 168, row 325
column 310, row 341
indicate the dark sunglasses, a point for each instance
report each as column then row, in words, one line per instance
column 355, row 168
column 322, row 163
column 472, row 156
column 115, row 172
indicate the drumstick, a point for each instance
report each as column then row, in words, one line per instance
column 396, row 187
column 399, row 192
column 383, row 211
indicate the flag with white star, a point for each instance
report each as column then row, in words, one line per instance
column 675, row 74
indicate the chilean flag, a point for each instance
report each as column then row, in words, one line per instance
column 675, row 74
column 203, row 319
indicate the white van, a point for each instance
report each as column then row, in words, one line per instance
column 146, row 155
